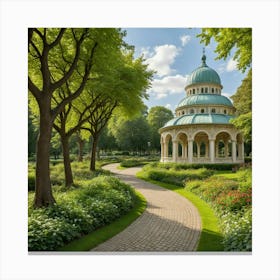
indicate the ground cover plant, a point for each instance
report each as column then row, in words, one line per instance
column 175, row 175
column 137, row 161
column 228, row 193
column 95, row 200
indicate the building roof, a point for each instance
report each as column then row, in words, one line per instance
column 203, row 74
column 200, row 119
column 205, row 99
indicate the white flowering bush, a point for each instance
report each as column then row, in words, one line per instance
column 237, row 229
column 78, row 211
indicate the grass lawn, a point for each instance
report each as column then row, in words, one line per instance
column 99, row 236
column 211, row 236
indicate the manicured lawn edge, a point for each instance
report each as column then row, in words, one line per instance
column 211, row 236
column 99, row 236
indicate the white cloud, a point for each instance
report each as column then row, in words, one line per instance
column 185, row 39
column 168, row 106
column 161, row 58
column 231, row 65
column 161, row 88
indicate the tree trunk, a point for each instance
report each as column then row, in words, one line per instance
column 43, row 191
column 80, row 149
column 66, row 160
column 93, row 153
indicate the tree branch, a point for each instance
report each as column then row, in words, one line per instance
column 74, row 63
column 57, row 39
column 34, row 90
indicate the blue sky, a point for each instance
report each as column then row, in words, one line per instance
column 174, row 53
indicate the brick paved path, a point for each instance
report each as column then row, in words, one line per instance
column 169, row 223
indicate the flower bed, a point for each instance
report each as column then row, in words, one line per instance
column 78, row 211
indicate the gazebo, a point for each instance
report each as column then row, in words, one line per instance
column 202, row 132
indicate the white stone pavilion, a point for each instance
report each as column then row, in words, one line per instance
column 201, row 132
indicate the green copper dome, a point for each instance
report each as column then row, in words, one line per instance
column 200, row 119
column 205, row 99
column 203, row 74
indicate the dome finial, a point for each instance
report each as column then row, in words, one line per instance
column 203, row 57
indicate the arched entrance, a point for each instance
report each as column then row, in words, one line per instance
column 182, row 147
column 201, row 147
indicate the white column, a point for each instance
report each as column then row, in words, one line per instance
column 183, row 150
column 198, row 149
column 212, row 149
column 207, row 149
column 175, row 151
column 190, row 151
column 186, row 151
column 165, row 149
column 233, row 150
column 217, row 149
column 242, row 150
column 226, row 148
column 161, row 151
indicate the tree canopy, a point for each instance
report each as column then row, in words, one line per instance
column 72, row 74
column 238, row 40
column 156, row 118
column 242, row 100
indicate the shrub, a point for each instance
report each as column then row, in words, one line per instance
column 177, row 177
column 233, row 200
column 237, row 229
column 79, row 211
column 211, row 188
column 184, row 166
column 131, row 163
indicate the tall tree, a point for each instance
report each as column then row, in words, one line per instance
column 78, row 111
column 238, row 40
column 157, row 117
column 123, row 89
column 133, row 134
column 242, row 100
column 47, row 48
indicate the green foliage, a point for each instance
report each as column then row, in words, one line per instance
column 242, row 100
column 79, row 211
column 132, row 135
column 137, row 161
column 98, row 236
column 156, row 118
column 244, row 123
column 177, row 177
column 211, row 188
column 229, row 194
column 232, row 199
column 228, row 39
column 237, row 228
column 185, row 166
column 225, row 194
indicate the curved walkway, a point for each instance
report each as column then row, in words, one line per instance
column 169, row 223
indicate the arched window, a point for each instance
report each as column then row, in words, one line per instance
column 213, row 110
column 202, row 111
column 201, row 90
column 192, row 111
column 212, row 90
column 193, row 91
column 225, row 112
column 183, row 113
column 206, row 90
